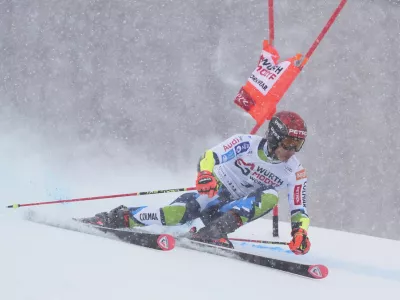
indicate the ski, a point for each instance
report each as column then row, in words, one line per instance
column 155, row 241
column 304, row 270
column 164, row 242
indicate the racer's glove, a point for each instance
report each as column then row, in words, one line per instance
column 300, row 243
column 206, row 184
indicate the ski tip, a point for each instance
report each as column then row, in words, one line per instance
column 166, row 242
column 318, row 271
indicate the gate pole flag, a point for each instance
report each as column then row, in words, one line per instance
column 271, row 79
column 267, row 84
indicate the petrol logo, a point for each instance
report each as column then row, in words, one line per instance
column 297, row 194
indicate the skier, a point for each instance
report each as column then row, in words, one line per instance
column 237, row 183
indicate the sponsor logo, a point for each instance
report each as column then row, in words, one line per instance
column 244, row 167
column 244, row 100
column 242, row 147
column 228, row 155
column 266, row 177
column 148, row 216
column 297, row 133
column 268, row 68
column 163, row 242
column 259, row 82
column 301, row 174
column 258, row 174
column 266, row 73
column 303, row 194
column 297, row 194
column 279, row 124
column 315, row 271
column 275, row 133
column 231, row 144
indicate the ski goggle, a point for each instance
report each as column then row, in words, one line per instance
column 290, row 143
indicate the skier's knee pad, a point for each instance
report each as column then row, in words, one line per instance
column 192, row 211
column 183, row 209
column 172, row 214
column 185, row 198
column 265, row 202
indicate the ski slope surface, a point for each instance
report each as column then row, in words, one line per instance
column 39, row 262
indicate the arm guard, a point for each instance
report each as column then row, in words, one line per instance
column 207, row 161
column 300, row 219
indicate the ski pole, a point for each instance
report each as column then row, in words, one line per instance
column 105, row 197
column 258, row 241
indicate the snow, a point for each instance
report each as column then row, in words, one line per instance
column 42, row 262
column 71, row 128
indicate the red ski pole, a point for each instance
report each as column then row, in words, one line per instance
column 104, row 197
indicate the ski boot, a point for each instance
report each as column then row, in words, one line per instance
column 216, row 232
column 116, row 218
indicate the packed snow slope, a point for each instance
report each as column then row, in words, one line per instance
column 39, row 262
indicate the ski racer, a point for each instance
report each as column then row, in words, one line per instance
column 237, row 183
